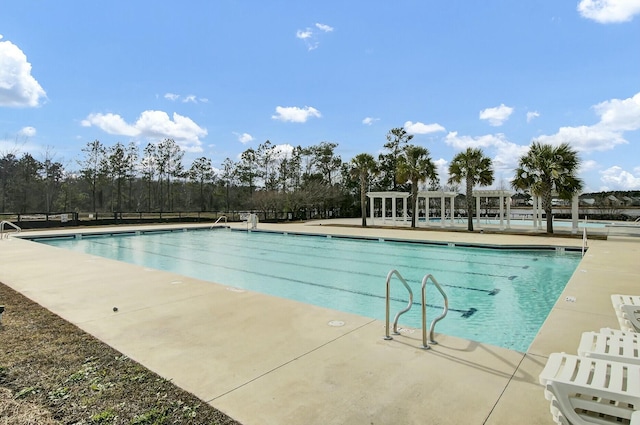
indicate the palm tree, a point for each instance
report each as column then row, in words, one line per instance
column 362, row 167
column 545, row 169
column 475, row 169
column 415, row 165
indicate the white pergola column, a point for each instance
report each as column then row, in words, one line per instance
column 501, row 212
column 452, row 203
column 384, row 209
column 509, row 212
column 405, row 201
column 537, row 202
column 477, row 211
column 443, row 215
column 371, row 208
column 393, row 210
column 574, row 212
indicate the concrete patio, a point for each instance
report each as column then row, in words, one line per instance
column 266, row 360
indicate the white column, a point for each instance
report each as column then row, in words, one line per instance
column 393, row 210
column 509, row 212
column 404, row 209
column 477, row 211
column 452, row 203
column 443, row 216
column 371, row 209
column 427, row 210
column 384, row 209
column 501, row 212
column 574, row 213
column 538, row 203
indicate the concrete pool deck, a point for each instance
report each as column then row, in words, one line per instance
column 266, row 360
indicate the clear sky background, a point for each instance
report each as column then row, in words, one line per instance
column 220, row 76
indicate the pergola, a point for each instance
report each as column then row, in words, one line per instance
column 537, row 212
column 502, row 195
column 442, row 195
column 384, row 197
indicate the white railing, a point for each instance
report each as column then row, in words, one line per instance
column 388, row 297
column 2, row 232
column 445, row 310
column 222, row 217
column 425, row 280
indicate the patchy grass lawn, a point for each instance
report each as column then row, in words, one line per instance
column 51, row 372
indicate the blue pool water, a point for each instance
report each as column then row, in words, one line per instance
column 500, row 297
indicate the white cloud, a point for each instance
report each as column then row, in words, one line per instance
column 27, row 132
column 442, row 166
column 588, row 165
column 295, row 114
column 18, row 88
column 283, row 150
column 191, row 98
column 496, row 116
column 152, row 124
column 620, row 115
column 506, row 155
column 585, row 138
column 303, row 35
column 609, row 11
column 420, row 128
column 617, row 177
column 370, row 120
column 244, row 138
column 310, row 37
column 616, row 117
column 110, row 123
column 323, row 27
column 532, row 115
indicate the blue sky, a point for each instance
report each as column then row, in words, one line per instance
column 220, row 76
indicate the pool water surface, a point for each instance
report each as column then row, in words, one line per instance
column 496, row 296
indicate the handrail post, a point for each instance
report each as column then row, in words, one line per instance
column 388, row 298
column 425, row 344
column 425, row 280
column 3, row 222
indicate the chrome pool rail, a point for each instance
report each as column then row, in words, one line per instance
column 445, row 310
column 2, row 232
column 388, row 298
column 425, row 281
column 222, row 217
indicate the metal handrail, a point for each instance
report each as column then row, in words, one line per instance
column 218, row 220
column 2, row 223
column 425, row 280
column 401, row 312
column 584, row 240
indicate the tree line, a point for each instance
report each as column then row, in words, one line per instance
column 300, row 183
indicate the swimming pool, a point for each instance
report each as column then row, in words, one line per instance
column 500, row 297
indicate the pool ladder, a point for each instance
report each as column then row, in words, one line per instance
column 425, row 280
column 4, row 234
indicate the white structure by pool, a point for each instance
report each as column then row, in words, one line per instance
column 391, row 208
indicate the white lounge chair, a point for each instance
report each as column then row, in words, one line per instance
column 618, row 332
column 619, row 347
column 627, row 308
column 591, row 391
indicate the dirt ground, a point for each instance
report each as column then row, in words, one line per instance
column 51, row 372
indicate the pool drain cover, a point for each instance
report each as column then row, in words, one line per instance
column 336, row 323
